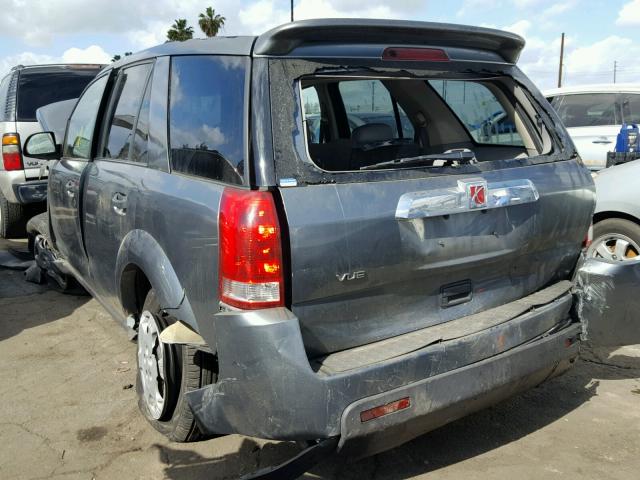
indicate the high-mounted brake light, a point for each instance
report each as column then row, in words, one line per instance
column 415, row 54
column 11, row 153
column 250, row 267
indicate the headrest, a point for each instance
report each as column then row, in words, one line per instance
column 371, row 133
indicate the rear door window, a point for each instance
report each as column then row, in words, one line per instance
column 38, row 88
column 207, row 117
column 127, row 97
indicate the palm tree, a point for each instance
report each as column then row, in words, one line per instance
column 210, row 22
column 179, row 31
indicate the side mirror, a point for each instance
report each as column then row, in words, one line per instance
column 43, row 145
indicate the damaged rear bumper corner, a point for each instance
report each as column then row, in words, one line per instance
column 608, row 302
column 267, row 388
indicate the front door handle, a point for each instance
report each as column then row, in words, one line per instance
column 119, row 203
column 602, row 141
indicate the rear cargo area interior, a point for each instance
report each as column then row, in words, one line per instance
column 355, row 123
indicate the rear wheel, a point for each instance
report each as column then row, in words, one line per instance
column 615, row 239
column 12, row 219
column 165, row 374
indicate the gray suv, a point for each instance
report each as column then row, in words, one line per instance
column 22, row 91
column 294, row 275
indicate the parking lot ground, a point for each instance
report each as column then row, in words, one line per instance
column 69, row 412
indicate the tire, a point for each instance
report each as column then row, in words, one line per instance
column 186, row 369
column 616, row 228
column 12, row 219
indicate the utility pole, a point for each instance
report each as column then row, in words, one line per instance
column 615, row 70
column 561, row 60
column 292, row 10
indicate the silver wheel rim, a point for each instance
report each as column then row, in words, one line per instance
column 614, row 247
column 151, row 364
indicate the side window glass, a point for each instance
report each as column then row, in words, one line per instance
column 480, row 111
column 313, row 115
column 630, row 104
column 127, row 98
column 83, row 121
column 139, row 149
column 206, row 116
column 369, row 101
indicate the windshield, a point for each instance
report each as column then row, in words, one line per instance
column 356, row 123
column 597, row 109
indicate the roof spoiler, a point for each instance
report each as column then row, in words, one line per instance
column 284, row 39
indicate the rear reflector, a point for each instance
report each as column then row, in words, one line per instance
column 250, row 266
column 11, row 154
column 415, row 54
column 383, row 410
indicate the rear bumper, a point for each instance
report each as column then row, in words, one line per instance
column 31, row 192
column 267, row 388
column 17, row 189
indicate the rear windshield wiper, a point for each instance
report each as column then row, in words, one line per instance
column 462, row 155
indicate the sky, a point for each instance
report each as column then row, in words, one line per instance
column 598, row 33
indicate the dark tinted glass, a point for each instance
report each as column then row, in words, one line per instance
column 83, row 121
column 128, row 94
column 139, row 150
column 36, row 89
column 206, row 115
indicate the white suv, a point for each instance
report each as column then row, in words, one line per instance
column 594, row 114
column 22, row 91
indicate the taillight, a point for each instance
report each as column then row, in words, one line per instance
column 588, row 239
column 250, row 267
column 415, row 54
column 11, row 154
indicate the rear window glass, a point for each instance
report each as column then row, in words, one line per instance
column 207, row 116
column 355, row 124
column 596, row 109
column 36, row 89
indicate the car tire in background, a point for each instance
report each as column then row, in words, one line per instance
column 615, row 239
column 12, row 221
column 178, row 369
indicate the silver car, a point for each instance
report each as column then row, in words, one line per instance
column 22, row 91
column 616, row 229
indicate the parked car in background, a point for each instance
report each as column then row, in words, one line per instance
column 616, row 222
column 22, row 91
column 594, row 114
column 354, row 287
